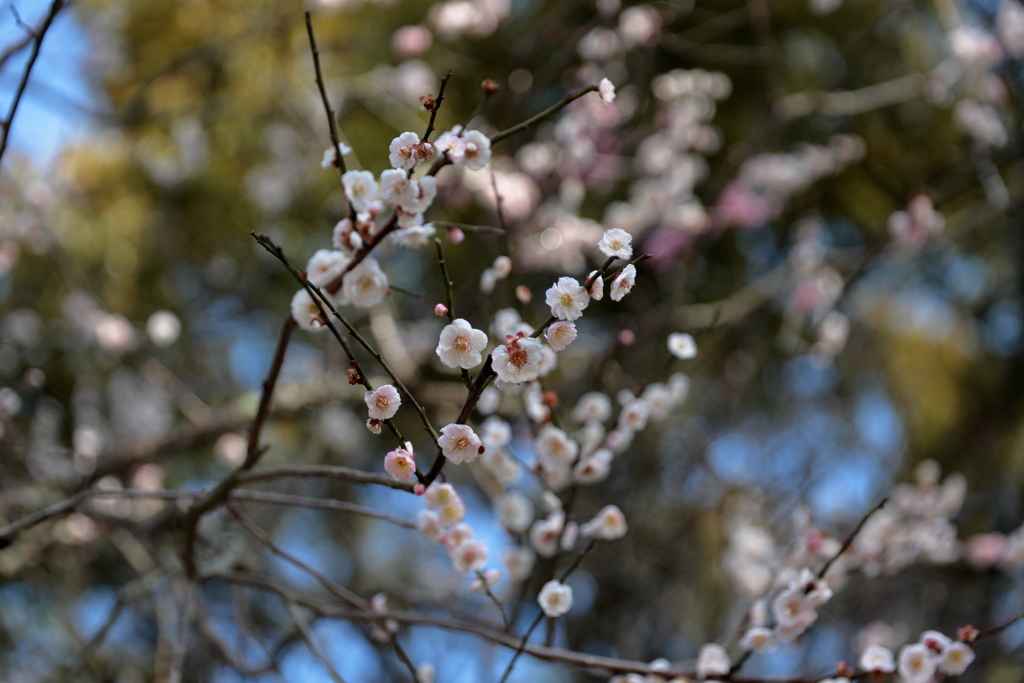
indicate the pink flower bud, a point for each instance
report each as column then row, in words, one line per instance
column 419, row 489
column 456, row 235
column 627, row 337
column 440, row 310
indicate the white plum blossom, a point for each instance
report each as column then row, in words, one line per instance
column 548, row 361
column 712, row 660
column 439, row 495
column 453, row 513
column 606, row 89
column 608, row 524
column 592, row 405
column 397, row 188
column 408, row 149
column 616, row 242
column 502, row 267
column 555, row 447
column 365, row 285
column 555, row 598
column 383, row 402
column 495, row 432
column 593, row 468
column 634, row 415
column 469, row 556
column 477, row 150
column 459, row 443
column 305, row 312
column 519, row 561
column 429, row 526
column 682, row 345
column 422, row 195
column 917, row 664
column 460, row 345
column 876, row 658
column 759, row 639
column 567, row 299
column 503, row 467
column 955, row 659
column 345, row 237
column 360, row 188
column 325, row 265
column 545, row 533
column 413, row 237
column 457, row 535
column 517, row 361
column 560, row 334
column 515, row 512
column 623, row 282
column 400, row 464
column 596, row 289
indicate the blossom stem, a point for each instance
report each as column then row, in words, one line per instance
column 471, row 228
column 849, row 539
column 547, row 113
column 497, row 603
column 448, row 300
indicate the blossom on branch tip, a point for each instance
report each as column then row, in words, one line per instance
column 712, row 660
column 596, row 289
column 397, row 188
column 383, row 402
column 423, row 193
column 567, row 299
column 623, row 282
column 560, row 334
column 682, row 345
column 460, row 345
column 360, row 188
column 608, row 524
column 459, row 443
column 518, row 360
column 365, row 285
column 305, row 312
column 331, row 155
column 400, row 464
column 469, row 556
column 490, row 580
column 472, row 149
column 616, row 242
column 606, row 89
column 555, row 599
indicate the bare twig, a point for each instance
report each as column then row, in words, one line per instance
column 849, row 539
column 37, row 35
column 345, row 474
column 331, row 120
column 448, row 299
column 437, row 105
column 319, row 504
column 497, row 603
column 184, row 633
column 547, row 113
column 307, row 635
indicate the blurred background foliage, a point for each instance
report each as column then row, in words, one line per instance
column 201, row 122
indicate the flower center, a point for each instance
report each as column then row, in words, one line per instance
column 461, row 344
column 518, row 358
column 365, row 283
column 383, row 402
column 567, row 300
column 461, row 442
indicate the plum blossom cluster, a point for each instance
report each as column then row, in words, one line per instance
column 934, row 653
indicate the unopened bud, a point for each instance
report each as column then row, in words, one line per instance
column 456, row 235
column 550, row 399
column 523, row 294
column 353, row 376
column 428, row 102
column 419, row 489
column 440, row 310
column 627, row 337
column 490, row 87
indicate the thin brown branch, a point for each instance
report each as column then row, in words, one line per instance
column 38, row 35
column 307, row 635
column 449, row 300
column 344, row 474
column 184, row 633
column 497, row 603
column 318, row 504
column 437, row 105
column 547, row 113
column 849, row 539
column 331, row 120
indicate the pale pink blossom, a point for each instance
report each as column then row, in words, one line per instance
column 607, row 92
column 712, row 661
column 477, row 150
column 592, row 405
column 468, row 557
column 682, row 345
column 593, row 468
column 422, row 195
column 555, row 598
column 459, row 443
column 567, row 299
column 519, row 561
column 608, row 524
column 876, row 658
column 440, row 310
column 400, row 464
column 383, row 402
column 560, row 334
column 634, row 415
column 555, row 447
column 429, row 526
column 623, row 282
column 345, row 237
column 517, row 361
column 596, row 289
column 413, row 237
column 460, row 345
column 325, row 265
column 545, row 533
column 439, row 495
column 452, row 513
